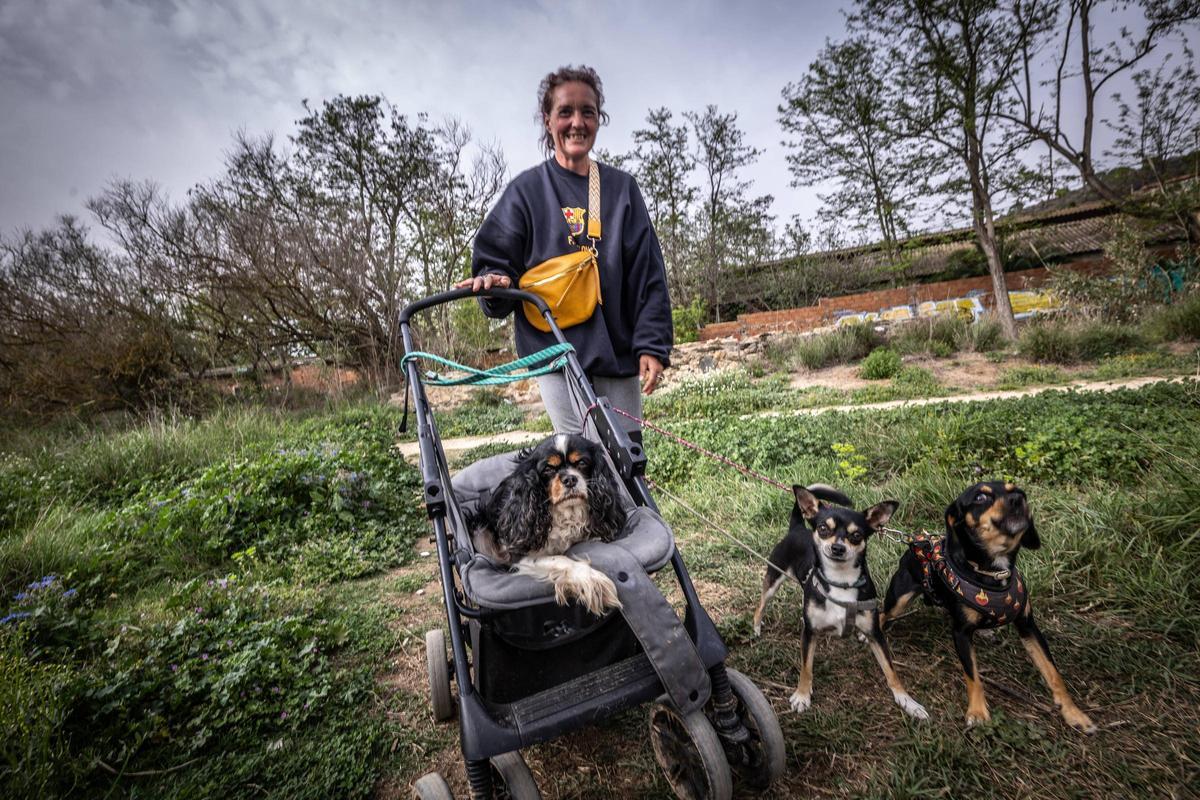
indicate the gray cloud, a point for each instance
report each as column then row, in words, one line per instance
column 154, row 89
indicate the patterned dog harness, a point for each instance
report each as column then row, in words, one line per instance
column 851, row 608
column 998, row 606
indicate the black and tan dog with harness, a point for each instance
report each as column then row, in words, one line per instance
column 825, row 550
column 972, row 573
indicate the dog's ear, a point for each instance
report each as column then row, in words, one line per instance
column 606, row 517
column 521, row 509
column 1030, row 538
column 954, row 515
column 806, row 501
column 879, row 514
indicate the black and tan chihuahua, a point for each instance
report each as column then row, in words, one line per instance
column 826, row 551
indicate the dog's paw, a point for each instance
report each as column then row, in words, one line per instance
column 800, row 702
column 597, row 593
column 910, row 706
column 862, row 637
column 976, row 718
column 758, row 629
column 1079, row 721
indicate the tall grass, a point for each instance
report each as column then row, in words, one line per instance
column 847, row 343
column 1069, row 342
column 1180, row 320
column 947, row 334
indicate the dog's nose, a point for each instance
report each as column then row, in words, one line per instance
column 838, row 549
column 568, row 481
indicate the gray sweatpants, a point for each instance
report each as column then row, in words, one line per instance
column 565, row 407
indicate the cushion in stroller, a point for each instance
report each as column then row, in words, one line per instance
column 646, row 537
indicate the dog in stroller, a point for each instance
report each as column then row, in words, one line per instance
column 559, row 494
column 539, row 651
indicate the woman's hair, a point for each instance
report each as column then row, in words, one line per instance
column 557, row 78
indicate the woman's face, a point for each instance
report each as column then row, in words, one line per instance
column 573, row 120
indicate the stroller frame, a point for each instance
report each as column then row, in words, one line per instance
column 485, row 733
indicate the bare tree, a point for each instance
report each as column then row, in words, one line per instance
column 317, row 251
column 1083, row 68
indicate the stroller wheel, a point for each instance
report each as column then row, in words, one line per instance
column 765, row 753
column 439, row 675
column 432, row 786
column 514, row 778
column 690, row 754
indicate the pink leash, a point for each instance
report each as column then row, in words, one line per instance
column 715, row 456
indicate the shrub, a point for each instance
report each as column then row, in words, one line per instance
column 1049, row 341
column 941, row 349
column 1181, row 320
column 985, row 335
column 916, row 379
column 1123, row 293
column 688, row 320
column 880, row 364
column 1099, row 340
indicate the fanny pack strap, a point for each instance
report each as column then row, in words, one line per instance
column 593, row 225
column 593, row 210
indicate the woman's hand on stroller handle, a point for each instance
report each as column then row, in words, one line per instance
column 485, row 282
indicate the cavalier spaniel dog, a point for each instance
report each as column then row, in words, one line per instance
column 561, row 493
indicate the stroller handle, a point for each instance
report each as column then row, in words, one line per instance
column 458, row 294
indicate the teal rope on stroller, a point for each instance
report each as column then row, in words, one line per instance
column 505, row 373
column 552, row 359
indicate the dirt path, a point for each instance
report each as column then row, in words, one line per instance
column 460, row 445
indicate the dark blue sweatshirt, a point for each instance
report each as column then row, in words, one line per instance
column 529, row 225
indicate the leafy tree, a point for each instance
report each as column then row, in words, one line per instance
column 840, row 116
column 950, row 65
column 663, row 165
column 1163, row 125
column 730, row 225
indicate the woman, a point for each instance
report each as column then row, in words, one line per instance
column 626, row 343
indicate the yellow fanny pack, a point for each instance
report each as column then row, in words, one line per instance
column 570, row 284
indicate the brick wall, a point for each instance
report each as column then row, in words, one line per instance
column 828, row 309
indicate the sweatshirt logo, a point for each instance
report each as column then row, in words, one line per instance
column 574, row 218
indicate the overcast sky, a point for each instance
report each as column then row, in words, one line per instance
column 92, row 90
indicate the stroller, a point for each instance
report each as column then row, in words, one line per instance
column 537, row 670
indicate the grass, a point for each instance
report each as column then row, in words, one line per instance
column 328, row 609
column 1020, row 377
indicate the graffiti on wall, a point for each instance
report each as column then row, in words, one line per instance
column 1025, row 303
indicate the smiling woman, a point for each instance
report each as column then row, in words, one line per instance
column 553, row 210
